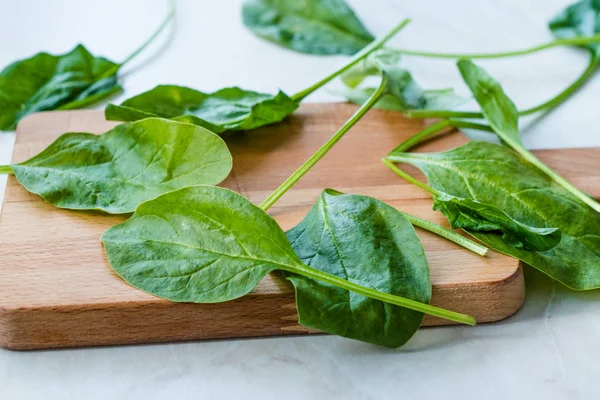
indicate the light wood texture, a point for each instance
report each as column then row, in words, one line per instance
column 57, row 289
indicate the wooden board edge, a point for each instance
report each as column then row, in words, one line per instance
column 163, row 321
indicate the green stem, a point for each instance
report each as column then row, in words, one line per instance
column 565, row 94
column 157, row 32
column 526, row 154
column 447, row 234
column 553, row 102
column 421, row 136
column 300, row 172
column 355, row 60
column 435, row 128
column 388, row 161
column 559, row 42
column 385, row 297
column 6, row 169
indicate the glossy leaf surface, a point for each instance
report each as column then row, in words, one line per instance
column 48, row 82
column 322, row 27
column 363, row 240
column 199, row 244
column 226, row 109
column 495, row 175
column 116, row 171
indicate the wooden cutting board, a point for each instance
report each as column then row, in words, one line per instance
column 57, row 289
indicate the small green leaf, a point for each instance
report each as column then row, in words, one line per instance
column 363, row 240
column 48, row 82
column 498, row 109
column 494, row 175
column 577, row 20
column 402, row 92
column 134, row 162
column 226, row 109
column 323, row 27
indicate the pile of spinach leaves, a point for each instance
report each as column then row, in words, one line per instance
column 358, row 268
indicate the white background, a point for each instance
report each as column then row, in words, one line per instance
column 548, row 350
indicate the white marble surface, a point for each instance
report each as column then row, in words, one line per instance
column 548, row 350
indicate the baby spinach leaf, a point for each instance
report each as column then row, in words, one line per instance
column 206, row 244
column 116, row 171
column 498, row 109
column 481, row 217
column 502, row 115
column 322, row 27
column 495, row 175
column 48, row 82
column 226, row 109
column 402, row 91
column 363, row 240
column 579, row 19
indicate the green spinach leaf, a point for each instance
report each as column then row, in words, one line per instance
column 579, row 19
column 322, row 27
column 363, row 240
column 496, row 176
column 225, row 109
column 502, row 115
column 48, row 82
column 402, row 92
column 116, row 171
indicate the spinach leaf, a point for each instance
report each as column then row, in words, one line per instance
column 494, row 175
column 402, row 91
column 501, row 113
column 116, row 171
column 322, row 27
column 363, row 240
column 577, row 20
column 225, row 109
column 498, row 109
column 48, row 82
column 207, row 244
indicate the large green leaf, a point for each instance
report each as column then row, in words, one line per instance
column 199, row 244
column 497, row 108
column 321, row 27
column 48, row 82
column 226, row 109
column 578, row 19
column 363, row 240
column 494, row 175
column 134, row 162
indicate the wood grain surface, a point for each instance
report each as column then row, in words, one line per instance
column 57, row 289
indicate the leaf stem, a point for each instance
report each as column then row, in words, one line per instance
column 6, row 169
column 355, row 60
column 91, row 99
column 388, row 161
column 553, row 102
column 385, row 297
column 565, row 94
column 447, row 234
column 526, row 154
column 300, row 172
column 558, row 42
column 157, row 32
column 435, row 128
column 421, row 136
